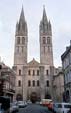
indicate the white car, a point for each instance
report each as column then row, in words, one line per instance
column 22, row 104
column 14, row 107
column 62, row 107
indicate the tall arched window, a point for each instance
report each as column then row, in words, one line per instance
column 33, row 72
column 23, row 40
column 47, row 83
column 48, row 40
column 19, row 71
column 29, row 72
column 33, row 83
column 19, row 83
column 38, row 72
column 29, row 83
column 37, row 82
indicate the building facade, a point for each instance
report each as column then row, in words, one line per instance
column 7, row 81
column 33, row 76
column 66, row 63
column 58, row 84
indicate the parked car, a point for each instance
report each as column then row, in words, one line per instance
column 61, row 107
column 29, row 102
column 14, row 107
column 22, row 104
column 47, row 102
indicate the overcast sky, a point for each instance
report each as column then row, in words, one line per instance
column 58, row 12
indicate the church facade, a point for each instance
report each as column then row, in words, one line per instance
column 33, row 76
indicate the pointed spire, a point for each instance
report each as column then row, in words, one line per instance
column 44, row 14
column 22, row 17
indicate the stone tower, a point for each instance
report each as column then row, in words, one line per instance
column 21, row 39
column 46, row 53
column 20, row 53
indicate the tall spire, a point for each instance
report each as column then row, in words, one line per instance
column 44, row 18
column 21, row 27
column 44, row 22
column 45, row 25
column 22, row 17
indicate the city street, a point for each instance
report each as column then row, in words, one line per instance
column 21, row 110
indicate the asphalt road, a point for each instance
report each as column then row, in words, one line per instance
column 20, row 110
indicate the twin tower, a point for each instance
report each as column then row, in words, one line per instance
column 21, row 41
column 33, row 76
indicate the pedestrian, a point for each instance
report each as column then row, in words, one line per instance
column 69, row 110
column 35, row 108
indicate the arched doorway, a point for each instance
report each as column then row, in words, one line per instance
column 47, row 96
column 19, row 97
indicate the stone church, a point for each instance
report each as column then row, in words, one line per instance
column 33, row 76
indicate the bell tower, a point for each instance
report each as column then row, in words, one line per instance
column 20, row 54
column 45, row 32
column 21, row 40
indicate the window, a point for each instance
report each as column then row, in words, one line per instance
column 29, row 83
column 37, row 82
column 33, row 83
column 19, row 72
column 47, row 83
column 23, row 40
column 33, row 72
column 46, row 72
column 37, row 72
column 18, row 40
column 59, row 106
column 48, row 40
column 44, row 40
column 19, row 83
column 29, row 72
column 67, row 106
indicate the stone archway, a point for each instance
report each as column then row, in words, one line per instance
column 47, row 96
column 19, row 97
